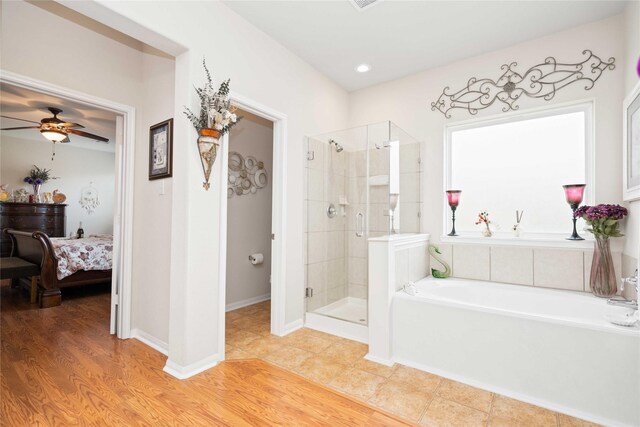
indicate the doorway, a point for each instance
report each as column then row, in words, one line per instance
column 249, row 220
column 278, row 179
column 122, row 193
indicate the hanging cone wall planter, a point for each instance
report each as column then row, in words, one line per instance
column 208, row 142
column 215, row 118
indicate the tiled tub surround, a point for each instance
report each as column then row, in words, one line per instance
column 394, row 260
column 548, row 347
column 567, row 269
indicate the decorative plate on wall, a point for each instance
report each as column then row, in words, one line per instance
column 246, row 175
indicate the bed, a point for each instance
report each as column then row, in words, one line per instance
column 64, row 262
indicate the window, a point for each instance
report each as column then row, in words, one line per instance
column 520, row 163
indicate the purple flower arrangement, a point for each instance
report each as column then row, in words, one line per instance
column 38, row 176
column 603, row 219
column 30, row 180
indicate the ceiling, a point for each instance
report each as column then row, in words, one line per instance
column 397, row 38
column 31, row 105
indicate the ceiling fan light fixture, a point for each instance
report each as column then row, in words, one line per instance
column 53, row 135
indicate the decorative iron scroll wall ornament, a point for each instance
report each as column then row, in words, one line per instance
column 246, row 176
column 540, row 81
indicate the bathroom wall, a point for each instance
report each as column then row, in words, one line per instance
column 75, row 168
column 249, row 218
column 631, row 252
column 406, row 102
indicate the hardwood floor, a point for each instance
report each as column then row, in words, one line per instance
column 60, row 367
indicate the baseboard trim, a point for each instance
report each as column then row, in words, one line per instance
column 150, row 340
column 293, row 326
column 184, row 372
column 512, row 394
column 247, row 302
column 380, row 360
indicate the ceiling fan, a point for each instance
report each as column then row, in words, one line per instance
column 56, row 130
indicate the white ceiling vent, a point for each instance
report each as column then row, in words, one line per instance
column 361, row 5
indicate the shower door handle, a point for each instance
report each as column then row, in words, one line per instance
column 359, row 224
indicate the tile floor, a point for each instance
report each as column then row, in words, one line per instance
column 415, row 395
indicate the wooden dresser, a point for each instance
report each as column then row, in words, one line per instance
column 48, row 218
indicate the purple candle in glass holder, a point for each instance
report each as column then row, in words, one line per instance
column 453, row 198
column 574, row 194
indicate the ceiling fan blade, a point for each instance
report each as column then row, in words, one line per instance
column 22, row 127
column 16, row 118
column 66, row 139
column 71, row 125
column 87, row 135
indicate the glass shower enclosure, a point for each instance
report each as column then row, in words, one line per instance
column 362, row 182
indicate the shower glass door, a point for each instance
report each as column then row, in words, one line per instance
column 354, row 179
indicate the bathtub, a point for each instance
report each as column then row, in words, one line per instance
column 547, row 347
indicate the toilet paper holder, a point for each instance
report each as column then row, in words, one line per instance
column 256, row 259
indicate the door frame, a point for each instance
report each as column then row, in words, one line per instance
column 278, row 218
column 123, row 212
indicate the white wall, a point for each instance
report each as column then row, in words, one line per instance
column 113, row 67
column 407, row 103
column 75, row 168
column 249, row 217
column 152, row 205
column 631, row 253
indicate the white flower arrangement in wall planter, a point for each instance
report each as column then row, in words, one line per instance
column 215, row 118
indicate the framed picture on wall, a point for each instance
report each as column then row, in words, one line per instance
column 161, row 150
column 631, row 148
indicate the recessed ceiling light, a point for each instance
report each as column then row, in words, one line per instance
column 363, row 68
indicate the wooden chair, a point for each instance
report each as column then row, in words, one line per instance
column 14, row 268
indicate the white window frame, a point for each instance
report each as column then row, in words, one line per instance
column 533, row 239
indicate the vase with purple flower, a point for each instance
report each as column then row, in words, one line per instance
column 604, row 223
column 36, row 178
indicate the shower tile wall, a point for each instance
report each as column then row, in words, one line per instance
column 326, row 241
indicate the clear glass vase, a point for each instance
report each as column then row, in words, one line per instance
column 602, row 280
column 36, row 193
